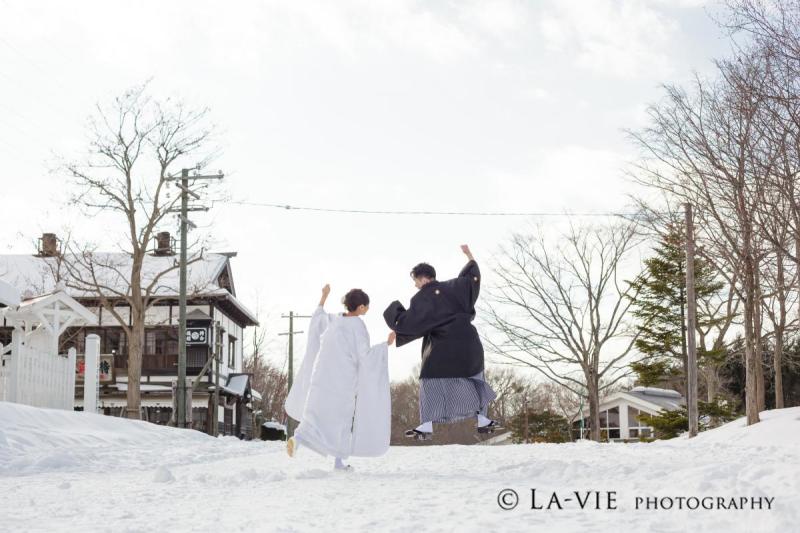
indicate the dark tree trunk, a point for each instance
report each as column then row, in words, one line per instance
column 136, row 347
column 751, row 404
column 758, row 353
column 593, row 393
column 777, row 357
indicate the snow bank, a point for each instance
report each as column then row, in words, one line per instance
column 36, row 441
column 777, row 428
column 63, row 471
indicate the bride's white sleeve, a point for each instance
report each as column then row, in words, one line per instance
column 373, row 415
column 296, row 399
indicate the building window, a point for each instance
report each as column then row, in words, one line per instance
column 115, row 341
column 161, row 341
column 609, row 424
column 231, row 352
column 112, row 340
column 636, row 428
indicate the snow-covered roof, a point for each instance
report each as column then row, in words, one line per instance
column 645, row 398
column 35, row 309
column 256, row 395
column 274, row 425
column 9, row 295
column 34, row 275
column 653, row 391
column 664, row 398
column 237, row 384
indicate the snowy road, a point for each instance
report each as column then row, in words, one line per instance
column 75, row 472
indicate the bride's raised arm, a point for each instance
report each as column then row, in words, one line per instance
column 326, row 290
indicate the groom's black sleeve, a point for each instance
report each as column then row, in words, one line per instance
column 469, row 283
column 409, row 324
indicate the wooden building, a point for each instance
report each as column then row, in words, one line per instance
column 216, row 323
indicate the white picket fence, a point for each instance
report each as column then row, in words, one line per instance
column 31, row 370
column 33, row 376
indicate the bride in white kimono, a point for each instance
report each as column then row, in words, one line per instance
column 341, row 393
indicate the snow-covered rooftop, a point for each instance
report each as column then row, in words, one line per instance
column 653, row 391
column 237, row 384
column 37, row 275
column 667, row 399
column 9, row 295
column 34, row 309
column 33, row 275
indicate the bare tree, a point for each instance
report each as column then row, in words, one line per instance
column 778, row 281
column 405, row 407
column 271, row 381
column 774, row 25
column 712, row 337
column 512, row 389
column 560, row 307
column 563, row 401
column 135, row 144
column 705, row 148
column 268, row 378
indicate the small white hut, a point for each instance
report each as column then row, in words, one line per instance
column 31, row 369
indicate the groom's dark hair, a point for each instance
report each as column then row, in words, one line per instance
column 423, row 270
column 354, row 298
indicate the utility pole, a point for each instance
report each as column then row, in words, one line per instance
column 217, row 361
column 185, row 178
column 691, row 326
column 526, row 420
column 291, row 333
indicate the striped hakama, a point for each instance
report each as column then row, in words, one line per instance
column 445, row 400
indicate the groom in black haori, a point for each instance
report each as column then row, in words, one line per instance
column 452, row 387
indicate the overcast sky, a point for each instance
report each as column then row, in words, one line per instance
column 395, row 105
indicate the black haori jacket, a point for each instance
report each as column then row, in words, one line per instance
column 442, row 313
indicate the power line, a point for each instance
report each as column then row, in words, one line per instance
column 445, row 213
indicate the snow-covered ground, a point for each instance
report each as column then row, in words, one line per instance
column 62, row 471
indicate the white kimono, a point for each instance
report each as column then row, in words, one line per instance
column 340, row 396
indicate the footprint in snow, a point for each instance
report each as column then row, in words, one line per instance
column 313, row 474
column 163, row 475
column 275, row 476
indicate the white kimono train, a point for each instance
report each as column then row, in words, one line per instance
column 341, row 396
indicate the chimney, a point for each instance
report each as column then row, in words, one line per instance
column 164, row 244
column 48, row 245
